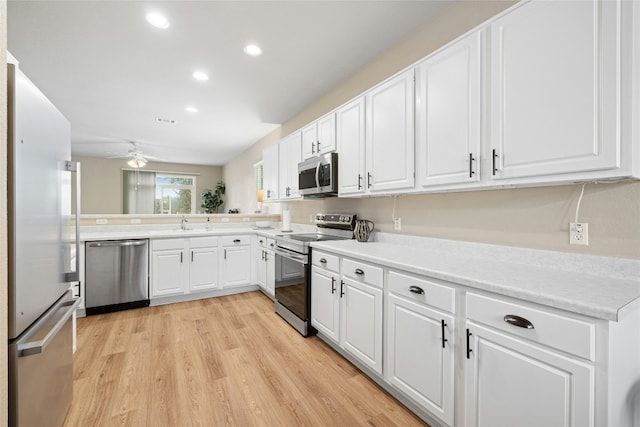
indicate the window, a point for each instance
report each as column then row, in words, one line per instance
column 158, row 193
column 175, row 194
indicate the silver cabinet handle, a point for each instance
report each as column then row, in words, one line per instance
column 323, row 260
column 518, row 321
column 191, row 256
column 37, row 347
column 359, row 272
column 416, row 290
column 225, row 254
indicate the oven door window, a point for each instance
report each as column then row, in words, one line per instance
column 291, row 285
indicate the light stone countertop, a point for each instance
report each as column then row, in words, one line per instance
column 111, row 232
column 543, row 280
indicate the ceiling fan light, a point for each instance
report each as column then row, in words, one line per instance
column 136, row 163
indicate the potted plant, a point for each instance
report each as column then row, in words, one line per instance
column 212, row 200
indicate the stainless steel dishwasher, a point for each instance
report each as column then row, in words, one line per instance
column 116, row 275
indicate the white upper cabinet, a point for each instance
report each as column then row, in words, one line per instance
column 554, row 96
column 319, row 137
column 448, row 111
column 270, row 173
column 390, row 135
column 290, row 154
column 351, row 146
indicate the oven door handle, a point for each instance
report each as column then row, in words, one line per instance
column 303, row 259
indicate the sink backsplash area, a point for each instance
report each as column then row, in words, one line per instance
column 165, row 222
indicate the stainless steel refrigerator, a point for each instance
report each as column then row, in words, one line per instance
column 43, row 250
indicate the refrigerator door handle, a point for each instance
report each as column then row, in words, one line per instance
column 36, row 347
column 74, row 276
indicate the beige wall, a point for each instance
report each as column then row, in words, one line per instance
column 4, row 407
column 102, row 182
column 528, row 217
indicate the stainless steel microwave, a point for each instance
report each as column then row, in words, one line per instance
column 318, row 176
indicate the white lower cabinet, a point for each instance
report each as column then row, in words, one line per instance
column 325, row 302
column 236, row 261
column 361, row 323
column 169, row 274
column 346, row 306
column 266, row 270
column 420, row 346
column 181, row 266
column 513, row 383
column 203, row 267
column 515, row 372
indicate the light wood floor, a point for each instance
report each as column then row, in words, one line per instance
column 228, row 361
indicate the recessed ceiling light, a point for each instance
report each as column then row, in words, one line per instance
column 199, row 75
column 192, row 109
column 252, row 50
column 157, row 20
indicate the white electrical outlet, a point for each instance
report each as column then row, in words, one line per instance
column 246, row 219
column 397, row 224
column 101, row 221
column 135, row 221
column 579, row 233
column 224, row 220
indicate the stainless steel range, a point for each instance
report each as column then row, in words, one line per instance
column 293, row 278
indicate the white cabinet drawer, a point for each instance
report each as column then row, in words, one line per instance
column 165, row 244
column 422, row 290
column 235, row 240
column 362, row 272
column 203, row 242
column 325, row 261
column 564, row 333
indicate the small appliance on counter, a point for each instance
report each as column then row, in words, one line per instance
column 363, row 229
column 293, row 281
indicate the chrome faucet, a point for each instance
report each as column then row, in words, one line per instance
column 183, row 223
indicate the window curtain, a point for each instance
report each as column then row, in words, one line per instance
column 139, row 192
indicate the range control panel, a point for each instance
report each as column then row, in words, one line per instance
column 335, row 220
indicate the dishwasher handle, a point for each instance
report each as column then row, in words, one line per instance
column 117, row 243
column 36, row 347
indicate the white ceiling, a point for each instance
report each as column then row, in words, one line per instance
column 111, row 73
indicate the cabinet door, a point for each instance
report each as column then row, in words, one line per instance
column 448, row 114
column 350, row 131
column 390, row 134
column 325, row 304
column 169, row 273
column 513, row 383
column 554, row 88
column 270, row 173
column 236, row 262
column 203, row 273
column 326, row 134
column 417, row 361
column 270, row 279
column 361, row 322
column 262, row 269
column 290, row 154
column 309, row 139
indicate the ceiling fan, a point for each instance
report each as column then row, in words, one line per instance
column 136, row 158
